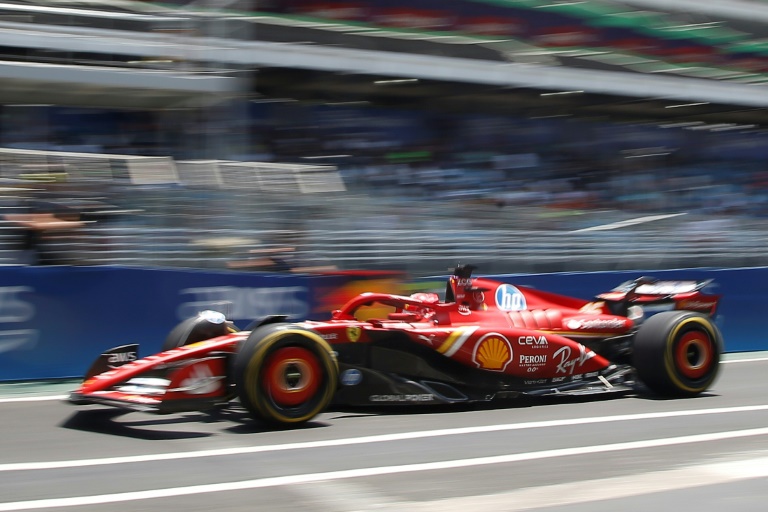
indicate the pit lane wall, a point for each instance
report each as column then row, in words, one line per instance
column 55, row 320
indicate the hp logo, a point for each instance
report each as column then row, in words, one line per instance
column 509, row 298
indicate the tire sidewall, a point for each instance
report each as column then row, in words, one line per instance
column 655, row 348
column 248, row 370
column 680, row 381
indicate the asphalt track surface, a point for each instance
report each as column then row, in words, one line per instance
column 608, row 453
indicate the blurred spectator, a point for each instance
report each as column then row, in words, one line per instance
column 284, row 256
column 49, row 233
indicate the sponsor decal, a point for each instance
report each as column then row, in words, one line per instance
column 330, row 336
column 532, row 363
column 351, row 377
column 429, row 340
column 464, row 310
column 526, row 360
column 509, row 298
column 568, row 364
column 14, row 309
column 533, row 341
column 592, row 308
column 201, row 381
column 121, row 358
column 583, row 324
column 696, row 305
column 354, row 333
column 558, row 379
column 463, row 281
column 424, row 397
column 493, row 352
column 18, row 339
column 666, row 287
column 246, row 302
column 537, row 381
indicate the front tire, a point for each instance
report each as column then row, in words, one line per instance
column 285, row 375
column 677, row 353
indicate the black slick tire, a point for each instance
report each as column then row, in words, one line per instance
column 284, row 374
column 677, row 353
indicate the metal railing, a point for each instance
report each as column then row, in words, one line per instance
column 418, row 252
column 208, row 214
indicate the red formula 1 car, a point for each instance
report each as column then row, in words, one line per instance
column 484, row 340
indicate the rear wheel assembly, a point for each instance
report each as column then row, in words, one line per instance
column 678, row 353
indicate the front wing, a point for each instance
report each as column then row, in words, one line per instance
column 187, row 385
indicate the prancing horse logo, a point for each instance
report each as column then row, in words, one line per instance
column 353, row 333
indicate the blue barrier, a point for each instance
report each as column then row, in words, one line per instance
column 55, row 320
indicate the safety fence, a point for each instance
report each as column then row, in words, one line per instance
column 417, row 252
column 208, row 214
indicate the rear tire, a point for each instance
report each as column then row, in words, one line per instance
column 677, row 353
column 204, row 326
column 285, row 375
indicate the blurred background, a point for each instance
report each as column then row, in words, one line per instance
column 407, row 135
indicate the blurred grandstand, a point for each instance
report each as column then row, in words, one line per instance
column 519, row 135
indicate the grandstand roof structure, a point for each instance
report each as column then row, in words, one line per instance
column 634, row 58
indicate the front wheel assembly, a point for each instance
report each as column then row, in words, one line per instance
column 285, row 374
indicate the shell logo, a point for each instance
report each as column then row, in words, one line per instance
column 493, row 352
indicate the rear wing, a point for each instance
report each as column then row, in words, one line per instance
column 658, row 295
column 651, row 286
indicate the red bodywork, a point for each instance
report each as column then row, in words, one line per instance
column 518, row 338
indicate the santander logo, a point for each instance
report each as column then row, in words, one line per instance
column 201, row 381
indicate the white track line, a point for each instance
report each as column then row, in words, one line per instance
column 27, row 466
column 590, row 491
column 81, row 501
column 749, row 360
column 33, row 398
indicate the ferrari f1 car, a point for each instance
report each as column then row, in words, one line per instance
column 482, row 341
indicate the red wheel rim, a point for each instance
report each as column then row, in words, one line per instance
column 291, row 376
column 694, row 354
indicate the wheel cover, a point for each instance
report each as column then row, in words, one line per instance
column 694, row 354
column 291, row 376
